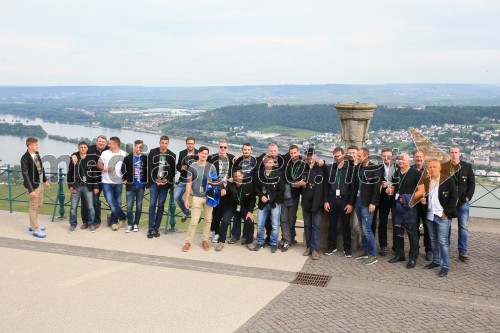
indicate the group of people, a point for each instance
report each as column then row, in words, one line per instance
column 423, row 194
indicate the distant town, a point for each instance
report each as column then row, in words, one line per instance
column 480, row 146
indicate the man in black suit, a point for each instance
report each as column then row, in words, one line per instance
column 441, row 207
column 387, row 202
column 33, row 174
column 466, row 184
column 340, row 199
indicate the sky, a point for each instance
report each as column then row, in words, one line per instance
column 253, row 42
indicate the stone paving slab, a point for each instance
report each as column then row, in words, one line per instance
column 390, row 298
column 379, row 298
column 150, row 260
column 47, row 293
column 313, row 309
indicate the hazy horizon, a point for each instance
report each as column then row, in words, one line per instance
column 223, row 43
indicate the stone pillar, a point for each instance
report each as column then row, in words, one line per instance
column 355, row 120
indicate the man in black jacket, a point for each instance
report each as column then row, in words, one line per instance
column 386, row 202
column 33, row 175
column 82, row 183
column 223, row 162
column 134, row 170
column 441, row 207
column 340, row 198
column 368, row 185
column 161, row 173
column 237, row 203
column 312, row 202
column 94, row 152
column 186, row 158
column 421, row 211
column 466, row 184
column 293, row 171
column 404, row 184
column 269, row 187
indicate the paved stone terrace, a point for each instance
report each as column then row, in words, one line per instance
column 378, row 298
column 390, row 298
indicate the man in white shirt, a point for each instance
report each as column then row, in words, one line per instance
column 110, row 162
column 441, row 207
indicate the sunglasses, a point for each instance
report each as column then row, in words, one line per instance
column 223, row 147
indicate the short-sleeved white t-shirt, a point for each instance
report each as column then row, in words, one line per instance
column 110, row 159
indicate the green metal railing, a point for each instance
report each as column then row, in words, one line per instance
column 12, row 191
column 11, row 180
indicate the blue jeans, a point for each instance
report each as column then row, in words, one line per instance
column 463, row 222
column 178, row 197
column 439, row 232
column 136, row 194
column 312, row 228
column 113, row 195
column 365, row 219
column 97, row 208
column 87, row 196
column 157, row 198
column 275, row 223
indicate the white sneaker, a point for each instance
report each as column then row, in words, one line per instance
column 215, row 239
column 212, row 234
column 129, row 229
column 136, row 228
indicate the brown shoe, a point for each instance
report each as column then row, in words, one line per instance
column 84, row 226
column 315, row 255
column 97, row 225
column 307, row 252
column 205, row 245
column 186, row 247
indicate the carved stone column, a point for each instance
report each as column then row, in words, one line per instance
column 355, row 120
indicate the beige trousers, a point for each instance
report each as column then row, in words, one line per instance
column 35, row 205
column 199, row 204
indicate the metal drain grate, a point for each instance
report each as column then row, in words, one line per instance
column 309, row 279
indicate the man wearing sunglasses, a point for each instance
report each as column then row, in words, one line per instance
column 223, row 162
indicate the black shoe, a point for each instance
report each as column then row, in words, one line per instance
column 411, row 264
column 347, row 254
column 396, row 259
column 383, row 251
column 150, row 233
column 431, row 265
column 331, row 250
column 443, row 272
column 463, row 256
column 284, row 247
column 156, row 233
column 293, row 242
column 428, row 256
column 258, row 247
column 274, row 248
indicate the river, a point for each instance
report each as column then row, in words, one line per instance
column 13, row 147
